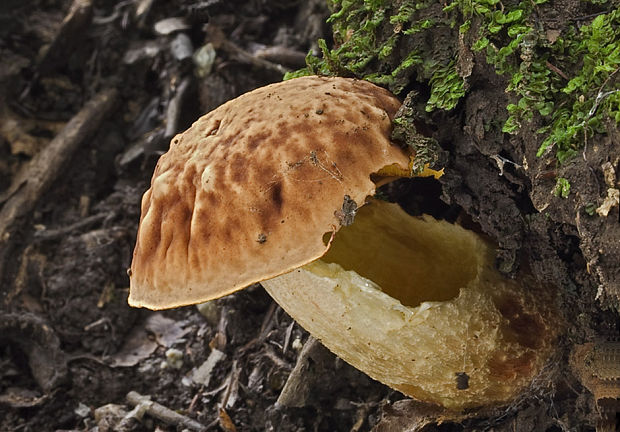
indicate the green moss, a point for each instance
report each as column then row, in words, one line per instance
column 572, row 108
column 428, row 153
column 447, row 87
column 562, row 188
column 566, row 82
column 592, row 95
column 590, row 209
column 372, row 40
column 399, row 77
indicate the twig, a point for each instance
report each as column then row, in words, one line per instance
column 118, row 9
column 265, row 328
column 56, row 233
column 232, row 387
column 219, row 40
column 287, row 336
column 164, row 414
column 39, row 174
column 310, row 367
column 282, row 55
column 246, row 57
column 271, row 355
column 557, row 70
column 75, row 23
column 174, row 109
column 586, row 17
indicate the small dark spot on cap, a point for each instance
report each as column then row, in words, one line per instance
column 276, row 195
column 212, row 198
column 262, row 238
column 462, row 381
column 319, row 111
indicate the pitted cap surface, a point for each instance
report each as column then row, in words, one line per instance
column 248, row 192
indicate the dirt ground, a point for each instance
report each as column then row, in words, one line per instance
column 91, row 92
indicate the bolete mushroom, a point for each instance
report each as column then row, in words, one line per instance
column 271, row 187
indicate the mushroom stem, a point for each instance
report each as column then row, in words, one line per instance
column 417, row 304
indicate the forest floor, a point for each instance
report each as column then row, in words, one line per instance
column 91, row 92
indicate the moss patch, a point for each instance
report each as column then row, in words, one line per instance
column 564, row 80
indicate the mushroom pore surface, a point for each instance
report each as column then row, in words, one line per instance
column 410, row 264
column 414, row 302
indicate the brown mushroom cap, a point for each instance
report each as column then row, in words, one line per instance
column 248, row 192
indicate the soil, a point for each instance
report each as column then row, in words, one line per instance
column 91, row 92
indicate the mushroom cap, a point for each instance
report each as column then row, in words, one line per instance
column 250, row 189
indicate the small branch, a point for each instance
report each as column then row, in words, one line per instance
column 586, row 17
column 283, row 56
column 36, row 177
column 56, row 233
column 219, row 40
column 164, row 414
column 557, row 70
column 310, row 368
column 174, row 109
column 75, row 23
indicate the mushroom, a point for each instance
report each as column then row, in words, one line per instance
column 275, row 186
